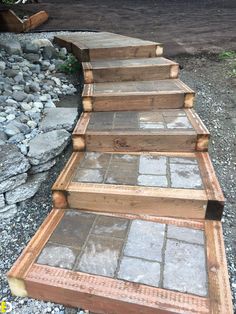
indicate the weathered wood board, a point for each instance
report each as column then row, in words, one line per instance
column 103, row 45
column 130, row 131
column 10, row 22
column 37, row 275
column 181, row 185
column 143, row 69
column 137, row 95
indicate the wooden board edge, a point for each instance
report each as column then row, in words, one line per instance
column 174, row 71
column 22, row 265
column 219, row 288
column 17, row 22
column 108, row 295
column 35, row 20
column 62, row 42
column 81, row 125
column 196, row 121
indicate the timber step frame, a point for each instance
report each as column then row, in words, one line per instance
column 107, row 295
column 206, row 203
column 137, row 95
column 104, row 45
column 129, row 70
column 155, row 139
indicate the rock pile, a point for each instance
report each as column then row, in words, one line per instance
column 33, row 132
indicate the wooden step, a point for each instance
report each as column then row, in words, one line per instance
column 162, row 184
column 139, row 95
column 131, row 131
column 118, row 264
column 103, row 45
column 129, row 70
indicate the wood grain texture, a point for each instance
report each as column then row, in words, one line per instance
column 106, row 295
column 219, row 288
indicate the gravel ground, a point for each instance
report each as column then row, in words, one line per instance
column 216, row 105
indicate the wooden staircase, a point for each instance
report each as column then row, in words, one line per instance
column 135, row 226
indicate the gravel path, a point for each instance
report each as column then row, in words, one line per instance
column 216, row 105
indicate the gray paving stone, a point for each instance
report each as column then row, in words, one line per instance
column 95, row 160
column 73, row 229
column 177, row 160
column 100, row 256
column 152, row 165
column 178, row 122
column 57, row 256
column 111, row 226
column 150, row 180
column 145, row 240
column 13, row 182
column 138, row 270
column 89, row 175
column 185, row 176
column 185, row 234
column 185, row 268
column 121, row 177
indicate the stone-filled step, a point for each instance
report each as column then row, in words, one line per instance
column 104, row 45
column 137, row 95
column 144, row 69
column 131, row 131
column 125, row 264
column 161, row 184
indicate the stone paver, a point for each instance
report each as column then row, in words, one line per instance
column 58, row 256
column 185, row 176
column 185, row 234
column 184, row 268
column 137, row 270
column 134, row 250
column 144, row 170
column 100, row 256
column 111, row 226
column 131, row 120
column 145, row 240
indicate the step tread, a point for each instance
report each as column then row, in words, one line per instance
column 139, row 179
column 103, row 40
column 127, row 63
column 88, row 241
column 112, row 89
column 180, row 129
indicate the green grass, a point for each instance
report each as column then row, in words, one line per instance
column 231, row 56
column 71, row 65
column 8, row 1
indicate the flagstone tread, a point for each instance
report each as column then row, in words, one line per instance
column 129, row 70
column 163, row 184
column 104, row 45
column 160, row 130
column 62, row 272
column 137, row 95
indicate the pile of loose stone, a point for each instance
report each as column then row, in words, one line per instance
column 33, row 131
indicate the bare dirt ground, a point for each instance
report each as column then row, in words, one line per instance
column 183, row 26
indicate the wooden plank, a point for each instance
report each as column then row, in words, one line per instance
column 129, row 70
column 103, row 45
column 214, row 193
column 35, row 20
column 219, row 288
column 138, row 200
column 139, row 95
column 21, row 267
column 79, row 142
column 203, row 133
column 10, row 22
column 106, row 295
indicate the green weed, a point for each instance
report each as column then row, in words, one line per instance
column 71, row 65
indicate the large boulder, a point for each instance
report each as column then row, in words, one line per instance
column 47, row 146
column 26, row 190
column 8, row 211
column 12, row 162
column 12, row 182
column 59, row 118
column 11, row 46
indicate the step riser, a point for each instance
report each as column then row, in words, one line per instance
column 138, row 102
column 85, row 55
column 133, row 204
column 136, row 143
column 131, row 74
